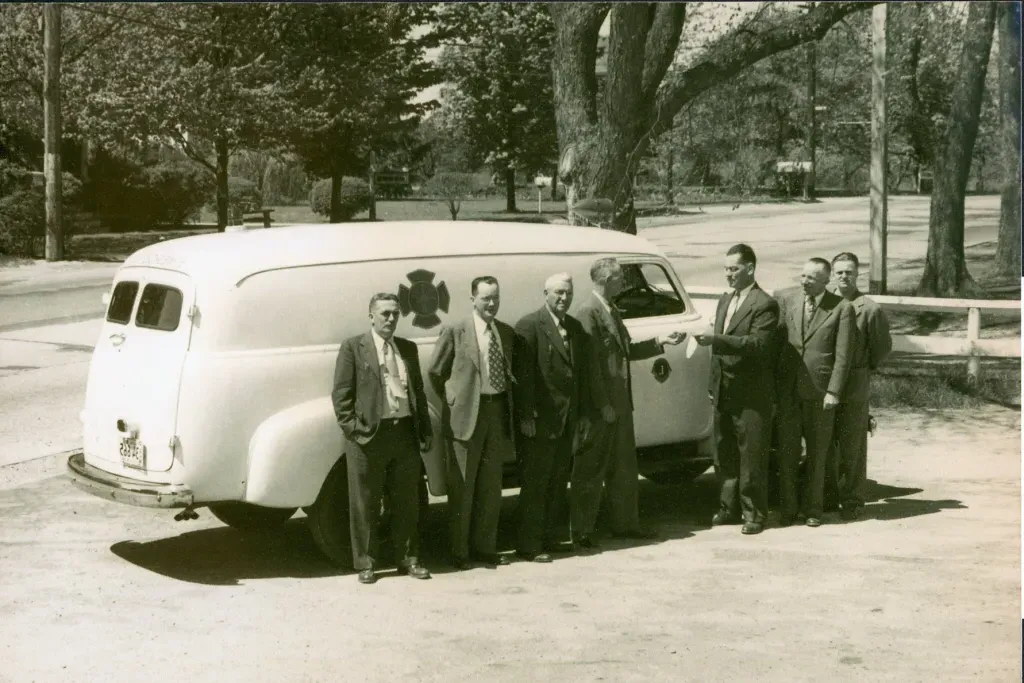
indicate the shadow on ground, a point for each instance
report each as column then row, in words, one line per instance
column 225, row 557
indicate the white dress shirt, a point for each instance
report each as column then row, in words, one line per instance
column 483, row 341
column 734, row 305
column 403, row 376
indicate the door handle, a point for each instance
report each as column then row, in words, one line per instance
column 661, row 369
column 117, row 339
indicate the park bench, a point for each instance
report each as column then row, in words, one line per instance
column 259, row 213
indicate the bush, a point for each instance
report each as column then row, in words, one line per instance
column 452, row 188
column 23, row 209
column 355, row 197
column 131, row 197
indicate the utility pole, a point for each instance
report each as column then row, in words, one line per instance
column 879, row 152
column 52, row 132
column 812, row 122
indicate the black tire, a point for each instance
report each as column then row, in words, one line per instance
column 249, row 517
column 684, row 475
column 328, row 517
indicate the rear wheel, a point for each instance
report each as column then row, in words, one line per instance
column 328, row 517
column 249, row 517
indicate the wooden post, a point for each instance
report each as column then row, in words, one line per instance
column 52, row 132
column 973, row 335
column 812, row 121
column 879, row 152
column 373, row 186
column 670, row 194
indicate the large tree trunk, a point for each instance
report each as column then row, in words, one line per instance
column 1008, row 260
column 510, row 190
column 945, row 270
column 221, row 148
column 602, row 137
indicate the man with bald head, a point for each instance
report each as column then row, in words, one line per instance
column 813, row 368
column 554, row 407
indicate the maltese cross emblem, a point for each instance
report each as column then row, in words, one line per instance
column 423, row 299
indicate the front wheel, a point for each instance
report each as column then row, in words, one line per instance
column 249, row 517
column 328, row 517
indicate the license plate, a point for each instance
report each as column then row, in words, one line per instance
column 133, row 453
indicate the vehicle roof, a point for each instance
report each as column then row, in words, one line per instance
column 230, row 257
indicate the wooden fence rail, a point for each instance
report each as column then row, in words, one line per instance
column 972, row 346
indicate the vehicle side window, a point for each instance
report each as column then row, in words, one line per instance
column 121, row 301
column 160, row 308
column 648, row 292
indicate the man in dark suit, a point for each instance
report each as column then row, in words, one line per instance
column 553, row 403
column 471, row 370
column 382, row 409
column 872, row 344
column 813, row 369
column 743, row 391
column 609, row 457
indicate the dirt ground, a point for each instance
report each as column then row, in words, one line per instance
column 925, row 587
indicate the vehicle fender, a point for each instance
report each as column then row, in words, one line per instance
column 291, row 453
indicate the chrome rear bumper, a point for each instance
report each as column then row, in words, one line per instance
column 124, row 490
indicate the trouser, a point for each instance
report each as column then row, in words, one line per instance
column 743, row 437
column 608, row 460
column 474, row 480
column 390, row 460
column 807, row 420
column 851, row 449
column 546, row 466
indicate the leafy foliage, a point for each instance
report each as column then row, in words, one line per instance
column 452, row 188
column 355, row 198
column 23, row 209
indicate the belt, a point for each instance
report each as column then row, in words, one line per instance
column 487, row 398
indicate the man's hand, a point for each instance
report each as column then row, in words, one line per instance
column 584, row 428
column 705, row 339
column 528, row 428
column 831, row 401
column 608, row 414
column 425, row 444
column 674, row 338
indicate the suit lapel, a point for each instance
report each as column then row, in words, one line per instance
column 609, row 322
column 723, row 310
column 744, row 310
column 370, row 355
column 469, row 339
column 821, row 313
column 548, row 324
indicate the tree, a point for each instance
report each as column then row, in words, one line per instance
column 1008, row 248
column 604, row 132
column 358, row 69
column 452, row 189
column 945, row 271
column 501, row 93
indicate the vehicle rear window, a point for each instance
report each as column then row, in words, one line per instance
column 160, row 308
column 121, row 301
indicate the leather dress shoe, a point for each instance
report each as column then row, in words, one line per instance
column 813, row 521
column 587, row 542
column 850, row 512
column 639, row 534
column 367, row 576
column 722, row 518
column 558, row 547
column 497, row 559
column 460, row 564
column 750, row 528
column 542, row 558
column 787, row 520
column 416, row 571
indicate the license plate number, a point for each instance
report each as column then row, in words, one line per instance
column 133, row 453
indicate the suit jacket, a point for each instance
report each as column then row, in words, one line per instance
column 817, row 360
column 872, row 344
column 554, row 381
column 743, row 355
column 359, row 394
column 454, row 373
column 611, row 350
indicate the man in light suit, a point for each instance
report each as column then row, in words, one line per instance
column 609, row 457
column 813, row 367
column 554, row 406
column 382, row 409
column 872, row 345
column 743, row 391
column 471, row 371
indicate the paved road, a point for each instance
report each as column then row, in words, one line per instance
column 50, row 314
column 926, row 587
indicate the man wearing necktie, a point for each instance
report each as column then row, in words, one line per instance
column 382, row 409
column 608, row 459
column 553, row 406
column 472, row 371
column 743, row 391
column 813, row 368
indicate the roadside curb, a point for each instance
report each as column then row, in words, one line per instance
column 38, row 468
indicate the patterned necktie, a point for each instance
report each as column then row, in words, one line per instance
column 565, row 337
column 495, row 361
column 392, row 380
column 809, row 308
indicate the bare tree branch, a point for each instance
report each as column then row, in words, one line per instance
column 102, row 35
column 662, row 43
